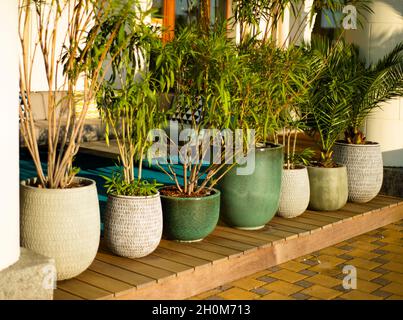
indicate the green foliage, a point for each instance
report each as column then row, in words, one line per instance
column 117, row 185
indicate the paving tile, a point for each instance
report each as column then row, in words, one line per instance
column 346, row 247
column 207, row 294
column 394, row 277
column 326, row 259
column 359, row 295
column 287, row 275
column 380, row 270
column 261, row 291
column 307, row 272
column 394, row 287
column 267, row 279
column 393, row 266
column 261, row 273
column 395, row 297
column 321, row 292
column 310, row 262
column 215, row 298
column 304, row 284
column 393, row 257
column 224, row 287
column 393, row 248
column 380, row 260
column 324, row 280
column 327, row 269
column 379, row 243
column 364, row 254
column 237, row 294
column 275, row 296
column 283, row 287
column 340, row 288
column 382, row 281
column 380, row 251
column 367, row 274
column 364, row 263
column 332, row 251
column 274, row 269
column 247, row 283
column 293, row 266
column 345, row 256
column 367, row 286
column 300, row 296
column 382, row 294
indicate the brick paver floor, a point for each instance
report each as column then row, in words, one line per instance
column 377, row 257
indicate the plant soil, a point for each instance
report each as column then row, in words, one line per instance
column 173, row 191
column 321, row 165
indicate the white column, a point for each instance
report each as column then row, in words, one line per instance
column 9, row 152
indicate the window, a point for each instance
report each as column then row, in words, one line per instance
column 175, row 13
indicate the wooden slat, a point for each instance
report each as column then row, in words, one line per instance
column 238, row 237
column 135, row 266
column 334, row 214
column 84, row 290
column 59, row 294
column 244, row 247
column 292, row 223
column 157, row 261
column 180, row 257
column 320, row 217
column 290, row 229
column 257, row 234
column 277, row 232
column 212, row 247
column 183, row 248
column 310, row 221
column 104, row 282
column 117, row 273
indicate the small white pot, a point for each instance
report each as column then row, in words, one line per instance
column 63, row 224
column 364, row 169
column 133, row 225
column 294, row 195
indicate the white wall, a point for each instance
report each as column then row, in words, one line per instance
column 381, row 33
column 9, row 88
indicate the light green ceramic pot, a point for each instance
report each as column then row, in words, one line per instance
column 329, row 188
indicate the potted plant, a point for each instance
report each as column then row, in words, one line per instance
column 377, row 83
column 130, row 106
column 198, row 64
column 327, row 119
column 55, row 221
column 295, row 192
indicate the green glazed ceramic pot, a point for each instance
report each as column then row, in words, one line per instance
column 190, row 219
column 250, row 201
column 329, row 188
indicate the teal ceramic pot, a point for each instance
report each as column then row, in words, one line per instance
column 250, row 201
column 190, row 219
column 329, row 188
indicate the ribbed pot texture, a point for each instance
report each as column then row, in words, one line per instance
column 364, row 169
column 190, row 219
column 295, row 192
column 329, row 188
column 251, row 201
column 133, row 225
column 63, row 224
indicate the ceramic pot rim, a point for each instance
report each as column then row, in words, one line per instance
column 340, row 166
column 352, row 145
column 273, row 146
column 157, row 195
column 297, row 167
column 214, row 195
column 91, row 184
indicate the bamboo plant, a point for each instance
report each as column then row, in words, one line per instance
column 130, row 105
column 81, row 56
column 200, row 66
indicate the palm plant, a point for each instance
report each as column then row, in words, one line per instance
column 335, row 85
column 378, row 83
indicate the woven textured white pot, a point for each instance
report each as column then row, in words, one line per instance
column 294, row 195
column 63, row 224
column 133, row 225
column 364, row 169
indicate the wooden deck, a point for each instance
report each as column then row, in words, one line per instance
column 177, row 270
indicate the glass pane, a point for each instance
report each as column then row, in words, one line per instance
column 218, row 10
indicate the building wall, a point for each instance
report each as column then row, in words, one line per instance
column 9, row 88
column 380, row 34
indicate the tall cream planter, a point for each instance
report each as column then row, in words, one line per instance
column 63, row 224
column 364, row 169
column 294, row 195
column 133, row 225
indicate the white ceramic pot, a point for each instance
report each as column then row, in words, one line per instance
column 294, row 195
column 63, row 224
column 133, row 225
column 364, row 169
